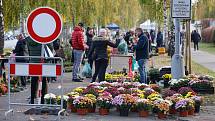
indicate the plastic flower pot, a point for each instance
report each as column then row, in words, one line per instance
column 103, row 111
column 82, row 111
column 183, row 113
column 143, row 113
column 191, row 111
column 73, row 108
column 117, row 109
column 172, row 111
column 166, row 83
column 124, row 111
column 161, row 115
column 92, row 110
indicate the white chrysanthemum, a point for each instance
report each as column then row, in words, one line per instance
column 50, row 95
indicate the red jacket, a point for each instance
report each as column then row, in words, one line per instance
column 78, row 39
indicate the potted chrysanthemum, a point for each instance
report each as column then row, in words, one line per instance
column 72, row 97
column 198, row 101
column 92, row 108
column 161, row 107
column 123, row 102
column 104, row 102
column 166, row 78
column 50, row 98
column 144, row 106
column 182, row 107
column 174, row 98
column 82, row 104
column 65, row 99
column 191, row 106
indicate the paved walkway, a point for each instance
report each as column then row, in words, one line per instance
column 204, row 58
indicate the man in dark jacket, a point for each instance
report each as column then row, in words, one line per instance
column 195, row 37
column 98, row 52
column 78, row 46
column 90, row 35
column 159, row 39
column 35, row 50
column 21, row 50
column 141, row 48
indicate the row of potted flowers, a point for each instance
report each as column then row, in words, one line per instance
column 129, row 96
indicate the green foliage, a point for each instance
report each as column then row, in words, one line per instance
column 104, row 104
column 204, row 9
column 154, row 74
column 90, row 12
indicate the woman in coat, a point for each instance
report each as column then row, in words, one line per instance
column 98, row 53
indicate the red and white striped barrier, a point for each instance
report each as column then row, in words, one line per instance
column 30, row 69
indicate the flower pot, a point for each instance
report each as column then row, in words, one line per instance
column 82, row 111
column 69, row 106
column 161, row 115
column 103, row 111
column 191, row 111
column 124, row 112
column 73, row 109
column 172, row 111
column 92, row 110
column 183, row 113
column 143, row 113
column 197, row 108
column 117, row 109
column 166, row 83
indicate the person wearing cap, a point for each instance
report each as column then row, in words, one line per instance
column 79, row 47
column 98, row 53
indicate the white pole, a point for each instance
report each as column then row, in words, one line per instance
column 177, row 59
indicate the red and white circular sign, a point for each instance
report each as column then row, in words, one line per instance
column 44, row 25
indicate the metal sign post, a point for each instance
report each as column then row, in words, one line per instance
column 180, row 9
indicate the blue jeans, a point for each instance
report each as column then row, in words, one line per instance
column 142, row 70
column 78, row 55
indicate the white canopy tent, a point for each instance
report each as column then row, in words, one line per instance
column 148, row 25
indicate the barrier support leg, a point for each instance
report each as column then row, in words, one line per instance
column 59, row 114
column 6, row 113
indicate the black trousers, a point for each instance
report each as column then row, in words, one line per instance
column 34, row 87
column 196, row 45
column 23, row 81
column 100, row 69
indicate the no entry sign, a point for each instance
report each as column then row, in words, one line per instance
column 44, row 25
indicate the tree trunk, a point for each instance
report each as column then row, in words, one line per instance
column 1, row 28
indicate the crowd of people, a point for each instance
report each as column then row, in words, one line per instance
column 94, row 47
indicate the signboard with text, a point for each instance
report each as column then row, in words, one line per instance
column 181, row 9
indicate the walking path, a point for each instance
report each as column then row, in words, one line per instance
column 204, row 58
